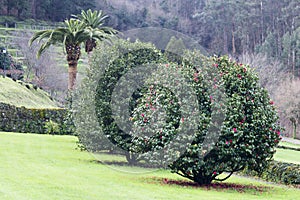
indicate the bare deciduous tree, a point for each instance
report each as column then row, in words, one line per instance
column 287, row 99
column 45, row 72
column 283, row 88
column 271, row 72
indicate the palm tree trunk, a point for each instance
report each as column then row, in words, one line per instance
column 90, row 44
column 72, row 75
column 73, row 54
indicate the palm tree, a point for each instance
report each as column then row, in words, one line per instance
column 72, row 35
column 94, row 21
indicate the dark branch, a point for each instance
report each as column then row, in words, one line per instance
column 223, row 179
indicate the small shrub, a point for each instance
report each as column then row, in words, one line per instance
column 52, row 127
column 278, row 172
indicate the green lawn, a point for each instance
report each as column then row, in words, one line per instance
column 50, row 167
column 286, row 155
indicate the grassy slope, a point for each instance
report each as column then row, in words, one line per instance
column 50, row 167
column 16, row 94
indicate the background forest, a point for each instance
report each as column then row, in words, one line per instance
column 262, row 33
column 223, row 27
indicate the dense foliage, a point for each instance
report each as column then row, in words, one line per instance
column 26, row 120
column 223, row 27
column 249, row 132
column 115, row 61
column 52, row 10
column 279, row 172
column 248, row 135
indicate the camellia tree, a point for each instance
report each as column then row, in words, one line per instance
column 95, row 94
column 156, row 112
column 248, row 134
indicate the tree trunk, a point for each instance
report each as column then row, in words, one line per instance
column 90, row 44
column 72, row 75
column 33, row 9
column 233, row 44
column 73, row 55
column 203, row 180
column 131, row 158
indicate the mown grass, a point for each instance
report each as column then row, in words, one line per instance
column 18, row 94
column 51, row 167
column 286, row 155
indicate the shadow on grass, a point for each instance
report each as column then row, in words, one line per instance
column 125, row 164
column 219, row 186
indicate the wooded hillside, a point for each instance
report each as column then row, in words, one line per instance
column 222, row 26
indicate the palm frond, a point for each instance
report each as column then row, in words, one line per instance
column 72, row 33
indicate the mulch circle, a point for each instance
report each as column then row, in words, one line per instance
column 215, row 185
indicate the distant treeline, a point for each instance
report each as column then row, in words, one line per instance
column 53, row 10
column 233, row 27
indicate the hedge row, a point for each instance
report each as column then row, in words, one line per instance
column 25, row 120
column 279, row 172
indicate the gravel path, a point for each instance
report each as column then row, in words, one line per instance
column 290, row 140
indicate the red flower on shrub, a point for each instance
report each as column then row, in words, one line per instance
column 235, row 130
column 239, row 76
column 214, row 173
column 271, row 102
column 196, row 77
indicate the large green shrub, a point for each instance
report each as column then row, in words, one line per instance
column 195, row 145
column 249, row 132
column 93, row 118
